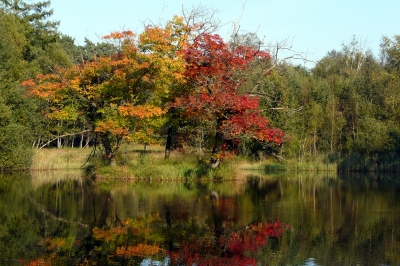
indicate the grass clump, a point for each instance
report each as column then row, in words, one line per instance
column 266, row 165
column 315, row 164
column 139, row 164
column 271, row 165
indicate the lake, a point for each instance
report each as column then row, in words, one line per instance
column 61, row 218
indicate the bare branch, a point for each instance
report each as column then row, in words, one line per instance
column 62, row 136
column 42, row 209
column 202, row 20
column 236, row 26
column 276, row 50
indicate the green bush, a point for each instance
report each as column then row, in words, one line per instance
column 16, row 153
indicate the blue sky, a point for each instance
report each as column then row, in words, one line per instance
column 313, row 27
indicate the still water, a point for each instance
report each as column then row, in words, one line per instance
column 60, row 218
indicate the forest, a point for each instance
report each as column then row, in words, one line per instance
column 182, row 86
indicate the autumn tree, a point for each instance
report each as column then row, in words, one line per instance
column 213, row 72
column 121, row 96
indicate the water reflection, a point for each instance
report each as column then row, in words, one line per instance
column 63, row 219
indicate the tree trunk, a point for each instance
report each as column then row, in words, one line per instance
column 219, row 137
column 200, row 151
column 315, row 141
column 102, row 222
column 87, row 140
column 81, row 140
column 168, row 144
column 109, row 153
column 59, row 143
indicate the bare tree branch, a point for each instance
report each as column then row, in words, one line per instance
column 62, row 136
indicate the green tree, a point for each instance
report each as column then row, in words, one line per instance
column 14, row 142
column 390, row 53
column 14, row 136
column 42, row 51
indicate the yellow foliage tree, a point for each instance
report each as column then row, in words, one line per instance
column 123, row 95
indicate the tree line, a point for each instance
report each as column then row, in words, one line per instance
column 180, row 84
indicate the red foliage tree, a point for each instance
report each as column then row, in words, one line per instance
column 214, row 71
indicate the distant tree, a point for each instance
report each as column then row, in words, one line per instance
column 390, row 53
column 88, row 52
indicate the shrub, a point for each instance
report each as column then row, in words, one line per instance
column 16, row 153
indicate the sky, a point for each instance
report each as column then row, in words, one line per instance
column 311, row 27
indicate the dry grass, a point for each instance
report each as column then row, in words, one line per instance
column 56, row 159
column 133, row 162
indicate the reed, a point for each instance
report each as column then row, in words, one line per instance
column 272, row 165
column 57, row 159
column 267, row 165
column 316, row 164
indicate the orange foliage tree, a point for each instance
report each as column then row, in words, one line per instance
column 121, row 96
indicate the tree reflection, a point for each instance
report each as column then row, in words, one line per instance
column 182, row 238
column 340, row 221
